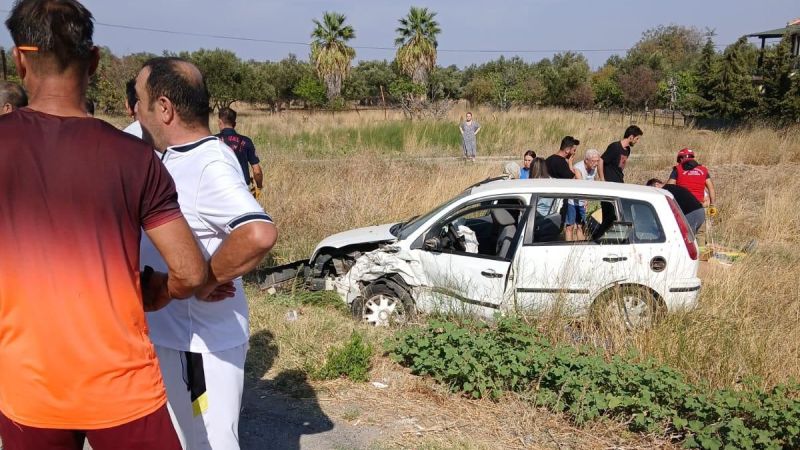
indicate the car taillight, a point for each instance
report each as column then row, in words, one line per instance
column 688, row 237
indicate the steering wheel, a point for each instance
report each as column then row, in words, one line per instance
column 452, row 235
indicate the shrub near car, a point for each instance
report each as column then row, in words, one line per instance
column 499, row 247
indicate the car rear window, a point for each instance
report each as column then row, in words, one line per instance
column 646, row 226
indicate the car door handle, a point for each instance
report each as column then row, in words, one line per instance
column 491, row 274
column 613, row 259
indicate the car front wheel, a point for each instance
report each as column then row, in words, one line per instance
column 384, row 303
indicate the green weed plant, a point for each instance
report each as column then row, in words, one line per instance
column 480, row 360
column 351, row 361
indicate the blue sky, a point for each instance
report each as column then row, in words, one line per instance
column 466, row 24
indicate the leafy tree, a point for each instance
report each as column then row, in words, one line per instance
column 480, row 89
column 638, row 87
column 445, row 83
column 706, row 74
column 777, row 73
column 257, row 88
column 366, row 79
column 311, row 91
column 224, row 74
column 607, row 92
column 733, row 95
column 566, row 73
column 330, row 53
column 416, row 55
column 286, row 75
column 667, row 48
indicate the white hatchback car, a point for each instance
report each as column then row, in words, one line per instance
column 499, row 246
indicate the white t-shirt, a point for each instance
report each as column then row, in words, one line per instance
column 134, row 129
column 215, row 201
column 587, row 175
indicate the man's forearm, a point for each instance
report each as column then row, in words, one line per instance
column 241, row 252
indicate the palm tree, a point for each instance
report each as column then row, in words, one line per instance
column 416, row 54
column 329, row 53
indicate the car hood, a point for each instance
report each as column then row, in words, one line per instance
column 366, row 235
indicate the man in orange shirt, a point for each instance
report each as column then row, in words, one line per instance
column 75, row 359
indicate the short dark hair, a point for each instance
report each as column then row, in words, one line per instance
column 188, row 94
column 227, row 116
column 653, row 182
column 12, row 93
column 130, row 93
column 59, row 29
column 568, row 142
column 530, row 153
column 90, row 106
column 633, row 130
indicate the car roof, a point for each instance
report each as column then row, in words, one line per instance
column 556, row 186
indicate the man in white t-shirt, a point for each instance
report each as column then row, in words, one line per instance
column 576, row 209
column 202, row 342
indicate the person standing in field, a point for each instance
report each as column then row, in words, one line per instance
column 202, row 343
column 12, row 97
column 469, row 131
column 527, row 159
column 76, row 194
column 613, row 170
column 616, row 155
column 576, row 209
column 244, row 149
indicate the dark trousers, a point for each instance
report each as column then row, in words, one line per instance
column 609, row 217
column 153, row 431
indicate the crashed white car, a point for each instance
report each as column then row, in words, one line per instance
column 500, row 246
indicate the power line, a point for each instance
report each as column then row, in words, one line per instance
column 358, row 47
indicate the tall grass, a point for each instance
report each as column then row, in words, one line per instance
column 328, row 173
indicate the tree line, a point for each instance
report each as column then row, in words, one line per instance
column 670, row 67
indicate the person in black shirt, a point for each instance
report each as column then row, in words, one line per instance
column 559, row 164
column 689, row 205
column 612, row 169
column 617, row 154
column 244, row 149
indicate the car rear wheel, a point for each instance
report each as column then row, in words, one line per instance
column 629, row 308
column 384, row 303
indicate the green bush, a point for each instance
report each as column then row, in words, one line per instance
column 481, row 360
column 351, row 361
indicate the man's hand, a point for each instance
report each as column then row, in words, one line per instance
column 156, row 294
column 214, row 292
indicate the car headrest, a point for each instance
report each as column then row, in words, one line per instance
column 502, row 217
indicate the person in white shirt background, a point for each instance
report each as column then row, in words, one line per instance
column 202, row 342
column 576, row 209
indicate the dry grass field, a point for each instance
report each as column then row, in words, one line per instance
column 330, row 172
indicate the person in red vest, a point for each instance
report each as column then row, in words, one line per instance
column 693, row 176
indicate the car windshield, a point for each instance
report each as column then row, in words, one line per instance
column 409, row 227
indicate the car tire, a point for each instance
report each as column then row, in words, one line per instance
column 384, row 303
column 628, row 308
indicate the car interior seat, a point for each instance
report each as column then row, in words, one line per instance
column 506, row 230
